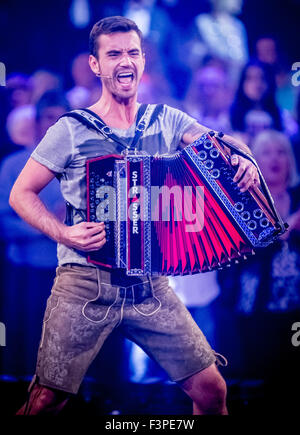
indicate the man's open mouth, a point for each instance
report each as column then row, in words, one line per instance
column 125, row 77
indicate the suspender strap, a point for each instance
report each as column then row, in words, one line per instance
column 146, row 113
column 146, row 116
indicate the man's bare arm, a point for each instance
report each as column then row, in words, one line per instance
column 196, row 130
column 24, row 199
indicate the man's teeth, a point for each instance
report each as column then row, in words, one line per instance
column 125, row 78
column 125, row 75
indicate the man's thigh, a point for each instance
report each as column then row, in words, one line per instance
column 80, row 314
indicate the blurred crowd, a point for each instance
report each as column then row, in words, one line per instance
column 205, row 71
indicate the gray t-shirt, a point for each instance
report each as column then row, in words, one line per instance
column 69, row 143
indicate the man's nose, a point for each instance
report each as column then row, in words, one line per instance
column 125, row 60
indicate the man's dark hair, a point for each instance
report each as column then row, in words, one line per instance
column 111, row 25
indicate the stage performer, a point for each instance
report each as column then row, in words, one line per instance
column 87, row 303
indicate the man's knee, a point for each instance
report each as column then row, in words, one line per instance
column 208, row 391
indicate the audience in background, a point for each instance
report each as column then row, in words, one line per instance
column 255, row 122
column 30, row 256
column 221, row 35
column 16, row 93
column 267, row 52
column 200, row 74
column 42, row 81
column 260, row 299
column 20, row 125
column 209, row 97
column 86, row 90
column 155, row 89
column 256, row 91
column 19, row 130
column 296, row 137
column 19, row 91
column 153, row 21
column 156, row 86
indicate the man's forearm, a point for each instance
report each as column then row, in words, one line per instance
column 84, row 236
column 232, row 140
column 29, row 207
column 196, row 130
column 24, row 199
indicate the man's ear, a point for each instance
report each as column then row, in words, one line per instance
column 94, row 64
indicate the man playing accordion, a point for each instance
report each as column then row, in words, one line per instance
column 88, row 302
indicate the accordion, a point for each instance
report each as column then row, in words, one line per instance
column 177, row 214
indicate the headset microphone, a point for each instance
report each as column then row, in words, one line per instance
column 103, row 76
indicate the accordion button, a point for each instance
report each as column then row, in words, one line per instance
column 214, row 153
column 202, row 155
column 245, row 215
column 209, row 164
column 239, row 206
column 215, row 173
column 258, row 213
column 208, row 144
column 264, row 222
column 252, row 225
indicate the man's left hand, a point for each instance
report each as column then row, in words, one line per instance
column 246, row 174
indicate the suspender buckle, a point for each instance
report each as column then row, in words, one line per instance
column 106, row 130
column 141, row 126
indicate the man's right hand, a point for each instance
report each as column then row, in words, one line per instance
column 86, row 236
column 25, row 200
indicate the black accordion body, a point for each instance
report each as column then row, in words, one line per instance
column 177, row 214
